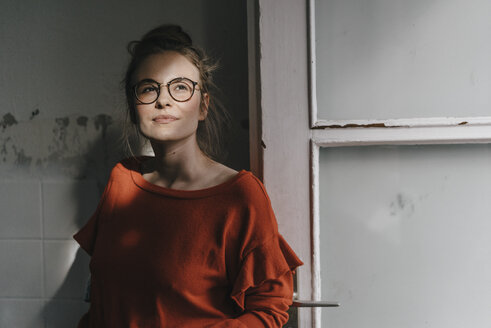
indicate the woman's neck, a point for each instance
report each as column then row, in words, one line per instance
column 177, row 164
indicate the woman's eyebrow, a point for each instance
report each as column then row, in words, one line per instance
column 178, row 78
column 147, row 80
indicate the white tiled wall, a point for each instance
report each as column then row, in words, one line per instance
column 21, row 313
column 43, row 270
column 21, row 218
column 22, row 265
column 63, row 208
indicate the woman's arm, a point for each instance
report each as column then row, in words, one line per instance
column 260, row 264
column 265, row 305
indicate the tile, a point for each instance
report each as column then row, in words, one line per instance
column 21, row 272
column 21, row 313
column 67, row 205
column 20, row 203
column 64, row 313
column 66, row 269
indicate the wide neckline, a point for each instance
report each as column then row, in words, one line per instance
column 140, row 181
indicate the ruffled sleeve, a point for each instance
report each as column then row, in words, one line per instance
column 266, row 262
column 87, row 235
column 261, row 264
column 263, row 288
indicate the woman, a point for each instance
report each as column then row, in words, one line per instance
column 178, row 239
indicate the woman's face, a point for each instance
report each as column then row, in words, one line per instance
column 167, row 119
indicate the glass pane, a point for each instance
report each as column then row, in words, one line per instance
column 381, row 59
column 405, row 236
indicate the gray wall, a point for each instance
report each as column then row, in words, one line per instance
column 60, row 119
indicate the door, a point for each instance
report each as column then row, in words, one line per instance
column 372, row 136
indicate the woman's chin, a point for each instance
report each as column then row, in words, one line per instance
column 166, row 139
column 158, row 136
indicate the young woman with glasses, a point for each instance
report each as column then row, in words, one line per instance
column 179, row 239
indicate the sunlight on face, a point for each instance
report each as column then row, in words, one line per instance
column 167, row 119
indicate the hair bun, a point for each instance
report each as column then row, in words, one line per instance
column 169, row 33
column 165, row 36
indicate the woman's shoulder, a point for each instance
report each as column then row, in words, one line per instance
column 122, row 169
column 220, row 174
column 132, row 161
column 129, row 163
column 249, row 188
column 257, row 219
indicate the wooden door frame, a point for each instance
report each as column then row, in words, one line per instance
column 278, row 62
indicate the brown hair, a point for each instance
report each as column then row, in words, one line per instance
column 210, row 132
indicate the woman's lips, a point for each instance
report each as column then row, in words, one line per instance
column 164, row 119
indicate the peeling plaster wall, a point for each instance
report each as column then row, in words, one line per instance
column 65, row 145
column 61, row 108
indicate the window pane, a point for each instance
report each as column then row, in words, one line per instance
column 382, row 59
column 405, row 236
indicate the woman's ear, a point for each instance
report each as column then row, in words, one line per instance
column 205, row 102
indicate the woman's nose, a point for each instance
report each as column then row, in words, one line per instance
column 163, row 99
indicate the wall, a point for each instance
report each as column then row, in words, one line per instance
column 60, row 116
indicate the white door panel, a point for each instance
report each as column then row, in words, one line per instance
column 405, row 236
column 384, row 59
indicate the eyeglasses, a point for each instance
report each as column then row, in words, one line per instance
column 181, row 89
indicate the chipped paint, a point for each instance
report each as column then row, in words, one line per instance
column 402, row 205
column 351, row 125
column 62, row 121
column 102, row 121
column 57, row 145
column 370, row 125
column 263, row 144
column 34, row 113
column 22, row 159
column 403, row 123
column 7, row 121
column 82, row 121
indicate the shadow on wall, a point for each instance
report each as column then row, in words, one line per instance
column 65, row 306
column 72, row 157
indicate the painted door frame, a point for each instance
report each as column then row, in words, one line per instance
column 286, row 134
column 279, row 89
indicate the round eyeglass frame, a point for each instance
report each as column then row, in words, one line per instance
column 168, row 89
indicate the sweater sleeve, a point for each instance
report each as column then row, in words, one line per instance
column 264, row 286
column 262, row 270
column 87, row 235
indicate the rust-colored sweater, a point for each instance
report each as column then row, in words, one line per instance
column 163, row 257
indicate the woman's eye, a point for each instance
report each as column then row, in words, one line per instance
column 181, row 87
column 148, row 89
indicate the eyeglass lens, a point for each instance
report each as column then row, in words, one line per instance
column 147, row 92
